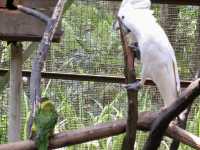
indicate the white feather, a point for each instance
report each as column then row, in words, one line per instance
column 157, row 55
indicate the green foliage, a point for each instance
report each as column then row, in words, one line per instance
column 3, row 130
column 68, row 118
column 88, row 38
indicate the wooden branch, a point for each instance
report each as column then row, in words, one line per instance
column 162, row 122
column 105, row 130
column 38, row 63
column 34, row 13
column 182, row 123
column 43, row 51
column 183, row 136
column 129, row 72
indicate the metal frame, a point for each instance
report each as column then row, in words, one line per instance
column 87, row 77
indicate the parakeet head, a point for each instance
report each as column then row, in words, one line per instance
column 33, row 129
column 44, row 99
column 46, row 104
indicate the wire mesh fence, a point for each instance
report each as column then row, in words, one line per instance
column 90, row 45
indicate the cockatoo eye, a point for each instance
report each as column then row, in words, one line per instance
column 123, row 17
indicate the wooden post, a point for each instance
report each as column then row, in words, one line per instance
column 129, row 72
column 15, row 93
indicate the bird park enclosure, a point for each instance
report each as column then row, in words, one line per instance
column 84, row 72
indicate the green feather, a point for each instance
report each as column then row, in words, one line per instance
column 42, row 141
column 45, row 121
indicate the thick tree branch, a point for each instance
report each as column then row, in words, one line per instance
column 129, row 72
column 105, row 130
column 162, row 122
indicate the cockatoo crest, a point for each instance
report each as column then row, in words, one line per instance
column 138, row 4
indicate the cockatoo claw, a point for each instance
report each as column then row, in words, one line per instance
column 164, row 108
column 133, row 86
column 136, row 50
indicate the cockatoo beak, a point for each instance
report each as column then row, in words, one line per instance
column 115, row 25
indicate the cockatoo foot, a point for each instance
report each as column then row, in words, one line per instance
column 164, row 108
column 133, row 86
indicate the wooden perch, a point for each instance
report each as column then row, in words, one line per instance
column 105, row 130
column 162, row 122
column 129, row 72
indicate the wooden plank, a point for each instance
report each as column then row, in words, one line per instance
column 178, row 2
column 23, row 37
column 17, row 26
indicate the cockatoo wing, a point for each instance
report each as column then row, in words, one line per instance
column 160, row 61
column 165, row 46
column 167, row 80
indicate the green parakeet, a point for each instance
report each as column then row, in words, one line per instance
column 44, row 123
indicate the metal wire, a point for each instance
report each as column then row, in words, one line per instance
column 91, row 46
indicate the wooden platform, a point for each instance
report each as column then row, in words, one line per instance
column 17, row 26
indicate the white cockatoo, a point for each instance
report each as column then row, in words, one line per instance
column 157, row 55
